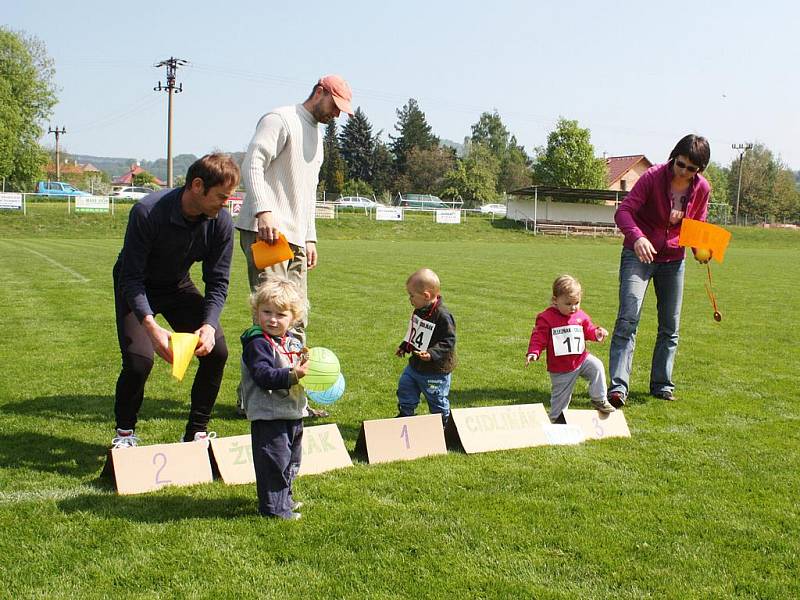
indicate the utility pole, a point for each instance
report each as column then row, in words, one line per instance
column 58, row 151
column 742, row 148
column 172, row 65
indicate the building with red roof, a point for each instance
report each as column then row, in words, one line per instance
column 127, row 179
column 624, row 171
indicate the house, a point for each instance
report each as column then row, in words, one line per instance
column 624, row 171
column 127, row 179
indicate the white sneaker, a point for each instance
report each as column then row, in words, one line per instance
column 205, row 437
column 124, row 439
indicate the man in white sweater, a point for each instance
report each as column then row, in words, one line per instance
column 280, row 175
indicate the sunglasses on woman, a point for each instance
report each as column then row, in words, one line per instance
column 683, row 165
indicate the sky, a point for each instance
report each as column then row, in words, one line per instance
column 638, row 75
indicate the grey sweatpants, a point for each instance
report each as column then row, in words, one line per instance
column 591, row 370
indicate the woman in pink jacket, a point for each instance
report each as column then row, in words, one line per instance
column 650, row 217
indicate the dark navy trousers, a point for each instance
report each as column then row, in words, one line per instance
column 277, row 451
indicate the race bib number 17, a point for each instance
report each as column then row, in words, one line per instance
column 568, row 340
column 419, row 333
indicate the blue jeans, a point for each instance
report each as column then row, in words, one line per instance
column 434, row 386
column 634, row 277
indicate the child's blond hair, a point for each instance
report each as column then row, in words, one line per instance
column 281, row 294
column 424, row 280
column 567, row 285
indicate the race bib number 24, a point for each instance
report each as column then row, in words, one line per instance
column 419, row 333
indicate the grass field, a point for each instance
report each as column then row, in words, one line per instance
column 701, row 501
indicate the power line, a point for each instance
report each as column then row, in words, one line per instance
column 172, row 65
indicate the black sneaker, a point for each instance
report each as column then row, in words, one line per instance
column 616, row 399
column 665, row 395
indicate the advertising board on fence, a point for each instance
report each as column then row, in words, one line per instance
column 91, row 204
column 451, row 215
column 388, row 213
column 11, row 200
column 325, row 211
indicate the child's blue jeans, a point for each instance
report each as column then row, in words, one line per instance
column 434, row 386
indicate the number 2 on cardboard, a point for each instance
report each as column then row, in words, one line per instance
column 163, row 461
column 404, row 435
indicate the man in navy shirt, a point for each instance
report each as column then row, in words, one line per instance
column 167, row 232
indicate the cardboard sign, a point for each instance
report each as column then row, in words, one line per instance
column 402, row 438
column 147, row 468
column 697, row 234
column 387, row 213
column 265, row 255
column 448, row 216
column 233, row 457
column 490, row 428
column 597, row 425
column 563, row 435
column 323, row 450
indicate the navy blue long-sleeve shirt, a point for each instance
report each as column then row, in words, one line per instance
column 161, row 245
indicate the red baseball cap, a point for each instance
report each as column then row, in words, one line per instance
column 340, row 90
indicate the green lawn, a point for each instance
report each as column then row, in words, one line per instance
column 701, row 501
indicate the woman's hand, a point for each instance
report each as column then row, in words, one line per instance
column 644, row 250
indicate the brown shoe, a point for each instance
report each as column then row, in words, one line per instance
column 665, row 395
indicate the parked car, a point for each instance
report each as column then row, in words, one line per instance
column 494, row 209
column 58, row 188
column 132, row 192
column 423, row 201
column 356, row 202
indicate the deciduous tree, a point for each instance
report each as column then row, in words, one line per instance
column 474, row 178
column 568, row 160
column 27, row 96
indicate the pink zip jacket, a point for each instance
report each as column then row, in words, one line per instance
column 542, row 338
column 645, row 211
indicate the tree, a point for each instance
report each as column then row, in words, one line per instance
column 143, row 179
column 568, row 160
column 768, row 191
column 414, row 133
column 332, row 172
column 27, row 96
column 426, row 169
column 490, row 132
column 356, row 187
column 719, row 209
column 474, row 178
column 382, row 169
column 357, row 146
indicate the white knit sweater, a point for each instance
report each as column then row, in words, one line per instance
column 281, row 172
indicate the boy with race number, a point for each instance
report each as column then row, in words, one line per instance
column 431, row 342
